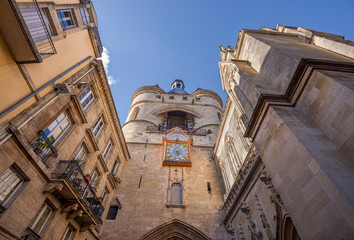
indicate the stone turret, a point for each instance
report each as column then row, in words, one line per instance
column 152, row 107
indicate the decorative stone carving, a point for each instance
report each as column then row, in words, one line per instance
column 264, row 219
column 240, row 179
column 242, row 235
column 268, row 182
column 252, row 226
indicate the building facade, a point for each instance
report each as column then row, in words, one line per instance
column 170, row 187
column 285, row 146
column 61, row 144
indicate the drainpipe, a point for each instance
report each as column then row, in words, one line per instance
column 43, row 87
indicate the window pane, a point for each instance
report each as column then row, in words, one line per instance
column 115, row 167
column 57, row 128
column 81, row 153
column 86, row 97
column 42, row 218
column 9, row 183
column 107, row 150
column 68, row 233
column 65, row 18
column 97, row 127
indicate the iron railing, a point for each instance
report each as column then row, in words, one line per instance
column 37, row 27
column 71, row 171
column 165, row 128
column 29, row 234
column 44, row 149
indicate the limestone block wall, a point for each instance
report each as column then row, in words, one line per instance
column 296, row 90
column 231, row 129
column 152, row 104
column 144, row 208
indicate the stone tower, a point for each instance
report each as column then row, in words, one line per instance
column 170, row 188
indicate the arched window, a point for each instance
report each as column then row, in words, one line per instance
column 176, row 194
column 219, row 116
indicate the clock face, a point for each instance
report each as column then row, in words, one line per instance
column 178, row 152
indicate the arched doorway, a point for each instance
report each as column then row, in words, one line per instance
column 289, row 231
column 175, row 230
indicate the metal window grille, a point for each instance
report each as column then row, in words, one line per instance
column 112, row 213
column 85, row 16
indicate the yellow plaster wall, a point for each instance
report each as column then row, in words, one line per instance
column 13, row 85
column 70, row 50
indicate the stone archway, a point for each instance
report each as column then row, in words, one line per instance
column 289, row 231
column 175, row 230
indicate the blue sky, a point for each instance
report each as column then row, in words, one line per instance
column 153, row 41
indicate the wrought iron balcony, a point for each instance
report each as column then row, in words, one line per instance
column 26, row 31
column 29, row 234
column 44, row 149
column 165, row 128
column 71, row 173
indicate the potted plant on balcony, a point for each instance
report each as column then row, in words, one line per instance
column 115, row 178
column 96, row 184
column 40, row 144
column 88, row 178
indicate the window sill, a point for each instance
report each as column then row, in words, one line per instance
column 175, row 206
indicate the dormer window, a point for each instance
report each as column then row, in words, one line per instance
column 178, row 85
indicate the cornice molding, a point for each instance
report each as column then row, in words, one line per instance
column 112, row 109
column 294, row 91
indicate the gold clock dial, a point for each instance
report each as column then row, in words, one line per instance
column 178, row 152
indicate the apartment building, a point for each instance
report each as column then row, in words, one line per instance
column 61, row 144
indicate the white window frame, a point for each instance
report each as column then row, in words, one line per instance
column 107, row 150
column 83, row 98
column 42, row 210
column 69, row 228
column 98, row 126
column 12, row 171
column 58, row 125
